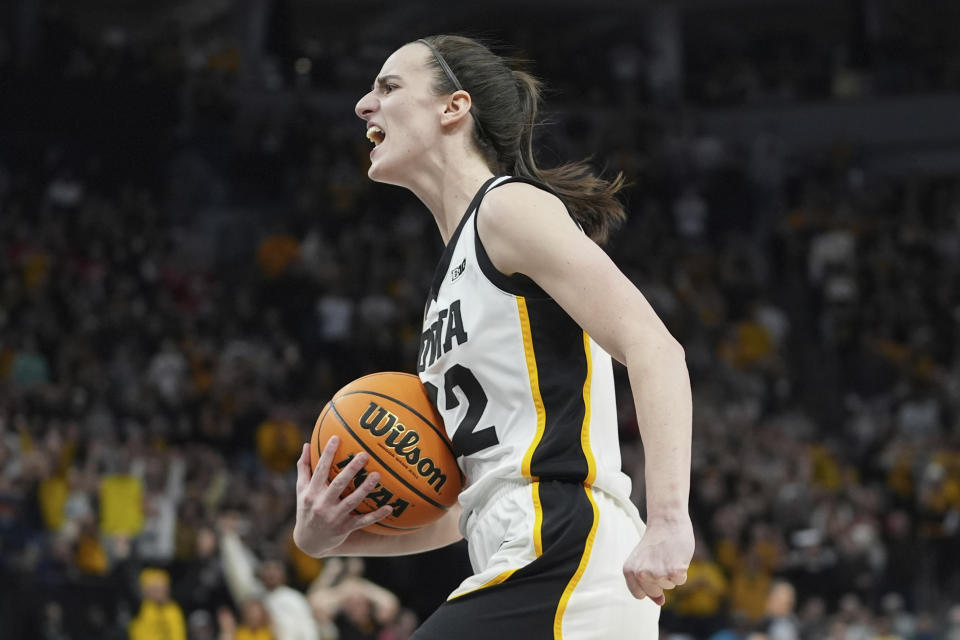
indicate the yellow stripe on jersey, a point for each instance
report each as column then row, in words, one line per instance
column 496, row 580
column 534, row 384
column 585, row 430
column 584, row 560
column 537, row 520
column 541, row 421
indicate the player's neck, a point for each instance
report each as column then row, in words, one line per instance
column 448, row 192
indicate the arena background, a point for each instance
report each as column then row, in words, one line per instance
column 192, row 260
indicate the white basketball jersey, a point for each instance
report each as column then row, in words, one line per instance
column 524, row 392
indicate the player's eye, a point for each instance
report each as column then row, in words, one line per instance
column 387, row 88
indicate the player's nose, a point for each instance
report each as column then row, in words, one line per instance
column 366, row 106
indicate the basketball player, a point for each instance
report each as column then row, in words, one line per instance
column 523, row 311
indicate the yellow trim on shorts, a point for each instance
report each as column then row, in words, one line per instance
column 534, row 384
column 495, row 580
column 584, row 560
column 585, row 429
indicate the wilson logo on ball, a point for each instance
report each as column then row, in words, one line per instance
column 384, row 424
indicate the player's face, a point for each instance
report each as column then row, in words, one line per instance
column 405, row 113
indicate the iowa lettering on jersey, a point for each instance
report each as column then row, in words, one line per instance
column 438, row 339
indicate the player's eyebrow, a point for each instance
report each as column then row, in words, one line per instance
column 382, row 80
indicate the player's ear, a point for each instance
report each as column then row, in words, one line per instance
column 456, row 108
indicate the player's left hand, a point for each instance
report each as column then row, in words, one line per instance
column 661, row 558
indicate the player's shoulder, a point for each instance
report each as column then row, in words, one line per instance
column 520, row 226
column 517, row 205
column 515, row 194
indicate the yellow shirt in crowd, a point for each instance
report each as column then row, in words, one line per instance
column 704, row 593
column 121, row 505
column 246, row 633
column 158, row 622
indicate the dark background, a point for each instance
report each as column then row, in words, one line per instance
column 192, row 261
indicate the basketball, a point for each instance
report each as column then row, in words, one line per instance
column 390, row 416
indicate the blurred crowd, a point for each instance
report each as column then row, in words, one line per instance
column 180, row 295
column 851, row 50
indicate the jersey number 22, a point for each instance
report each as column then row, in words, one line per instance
column 467, row 439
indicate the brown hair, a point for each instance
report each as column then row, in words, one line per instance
column 505, row 100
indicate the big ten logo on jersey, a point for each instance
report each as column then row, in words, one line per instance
column 457, row 271
column 440, row 336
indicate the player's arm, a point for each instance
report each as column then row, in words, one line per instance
column 327, row 526
column 526, row 230
column 435, row 535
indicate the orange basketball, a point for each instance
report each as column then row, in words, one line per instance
column 390, row 416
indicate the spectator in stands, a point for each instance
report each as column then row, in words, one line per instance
column 255, row 625
column 365, row 609
column 699, row 603
column 163, row 481
column 953, row 623
column 781, row 622
column 738, row 630
column 200, row 585
column 749, row 585
column 288, row 609
column 159, row 617
column 402, row 626
column 200, row 626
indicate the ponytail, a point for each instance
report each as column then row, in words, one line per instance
column 505, row 101
column 591, row 199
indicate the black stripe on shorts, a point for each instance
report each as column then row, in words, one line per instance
column 525, row 605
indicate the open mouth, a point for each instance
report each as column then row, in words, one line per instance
column 375, row 135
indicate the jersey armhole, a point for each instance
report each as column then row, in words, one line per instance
column 517, row 284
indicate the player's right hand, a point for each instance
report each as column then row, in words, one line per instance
column 324, row 519
column 661, row 558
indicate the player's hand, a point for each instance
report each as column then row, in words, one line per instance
column 661, row 559
column 324, row 519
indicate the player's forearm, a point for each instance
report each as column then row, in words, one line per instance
column 661, row 392
column 441, row 533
